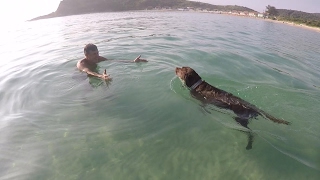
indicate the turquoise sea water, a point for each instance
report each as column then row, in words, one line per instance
column 56, row 123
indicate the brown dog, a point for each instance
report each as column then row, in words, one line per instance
column 222, row 99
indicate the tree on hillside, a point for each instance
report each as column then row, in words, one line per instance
column 272, row 11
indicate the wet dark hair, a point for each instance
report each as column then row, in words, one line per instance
column 90, row 47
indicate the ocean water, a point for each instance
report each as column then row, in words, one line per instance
column 57, row 123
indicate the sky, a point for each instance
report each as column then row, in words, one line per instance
column 21, row 10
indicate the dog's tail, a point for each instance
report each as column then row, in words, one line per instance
column 276, row 120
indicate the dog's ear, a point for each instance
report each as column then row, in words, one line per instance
column 189, row 80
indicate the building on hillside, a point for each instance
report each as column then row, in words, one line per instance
column 235, row 13
column 251, row 14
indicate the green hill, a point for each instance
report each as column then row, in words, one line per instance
column 310, row 19
column 73, row 7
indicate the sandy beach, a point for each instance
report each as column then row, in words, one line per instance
column 269, row 20
column 294, row 24
column 282, row 22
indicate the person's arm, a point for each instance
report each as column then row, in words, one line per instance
column 102, row 76
column 102, row 59
column 85, row 69
column 136, row 60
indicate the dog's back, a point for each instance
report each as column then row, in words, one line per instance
column 210, row 94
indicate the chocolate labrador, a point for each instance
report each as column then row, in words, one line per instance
column 208, row 94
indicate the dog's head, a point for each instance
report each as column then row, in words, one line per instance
column 188, row 75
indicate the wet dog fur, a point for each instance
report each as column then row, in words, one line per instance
column 209, row 94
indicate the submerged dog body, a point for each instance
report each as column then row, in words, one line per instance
column 207, row 93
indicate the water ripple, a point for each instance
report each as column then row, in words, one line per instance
column 58, row 122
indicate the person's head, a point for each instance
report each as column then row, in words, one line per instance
column 91, row 51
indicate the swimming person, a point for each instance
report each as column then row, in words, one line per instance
column 89, row 63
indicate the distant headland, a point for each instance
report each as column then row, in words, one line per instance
column 75, row 7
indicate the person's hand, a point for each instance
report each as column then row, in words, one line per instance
column 105, row 76
column 139, row 60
